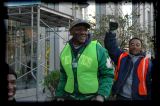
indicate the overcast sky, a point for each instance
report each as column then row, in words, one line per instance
column 126, row 9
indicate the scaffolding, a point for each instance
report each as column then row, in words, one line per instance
column 31, row 35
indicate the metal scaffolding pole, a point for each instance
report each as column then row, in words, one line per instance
column 31, row 64
column 38, row 47
column 20, row 48
column 16, row 52
column 69, row 27
column 53, row 29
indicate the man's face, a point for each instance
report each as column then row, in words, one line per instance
column 11, row 86
column 79, row 33
column 135, row 46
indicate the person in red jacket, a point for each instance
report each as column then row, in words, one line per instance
column 133, row 70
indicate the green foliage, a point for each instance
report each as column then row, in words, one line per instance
column 52, row 79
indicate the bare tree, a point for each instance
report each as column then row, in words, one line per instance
column 125, row 31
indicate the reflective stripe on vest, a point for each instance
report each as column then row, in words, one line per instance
column 87, row 68
column 124, row 54
column 141, row 72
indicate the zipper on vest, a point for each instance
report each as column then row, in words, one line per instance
column 74, row 63
column 74, row 68
column 125, row 78
column 139, row 59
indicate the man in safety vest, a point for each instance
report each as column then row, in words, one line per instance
column 86, row 69
column 133, row 69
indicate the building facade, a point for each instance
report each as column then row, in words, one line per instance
column 109, row 9
column 143, row 20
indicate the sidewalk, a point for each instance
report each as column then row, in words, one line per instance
column 29, row 95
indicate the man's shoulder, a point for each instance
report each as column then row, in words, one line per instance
column 101, row 49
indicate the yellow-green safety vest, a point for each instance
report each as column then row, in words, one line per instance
column 87, row 68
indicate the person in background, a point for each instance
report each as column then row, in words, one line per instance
column 11, row 77
column 86, row 68
column 133, row 70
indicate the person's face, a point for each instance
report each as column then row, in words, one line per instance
column 11, row 86
column 135, row 46
column 80, row 34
